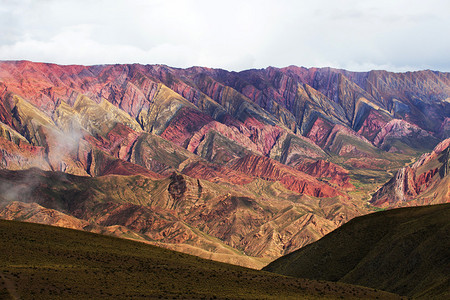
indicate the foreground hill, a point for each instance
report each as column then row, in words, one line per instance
column 405, row 251
column 44, row 262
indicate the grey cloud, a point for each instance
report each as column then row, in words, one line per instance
column 230, row 35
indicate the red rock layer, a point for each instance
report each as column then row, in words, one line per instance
column 183, row 126
column 372, row 125
column 292, row 179
column 322, row 168
column 427, row 157
column 261, row 134
column 118, row 142
column 397, row 128
column 22, row 155
column 345, row 149
column 216, row 173
column 231, row 133
column 320, row 131
column 121, row 167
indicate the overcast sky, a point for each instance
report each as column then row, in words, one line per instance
column 358, row 35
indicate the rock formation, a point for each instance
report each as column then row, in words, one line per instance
column 228, row 165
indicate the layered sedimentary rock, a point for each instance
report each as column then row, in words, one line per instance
column 397, row 135
column 292, row 179
column 424, row 182
column 215, row 160
column 325, row 169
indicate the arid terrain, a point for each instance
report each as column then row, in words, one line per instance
column 239, row 167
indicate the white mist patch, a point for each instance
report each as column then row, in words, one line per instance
column 21, row 188
column 63, row 144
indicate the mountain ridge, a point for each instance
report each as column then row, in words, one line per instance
column 190, row 135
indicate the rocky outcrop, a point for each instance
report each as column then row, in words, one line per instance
column 346, row 142
column 401, row 187
column 424, row 182
column 292, row 149
column 427, row 157
column 120, row 167
column 341, row 140
column 159, row 155
column 22, row 155
column 176, row 189
column 118, row 142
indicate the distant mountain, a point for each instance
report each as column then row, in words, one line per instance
column 241, row 167
column 405, row 251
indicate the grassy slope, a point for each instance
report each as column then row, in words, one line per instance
column 405, row 251
column 42, row 262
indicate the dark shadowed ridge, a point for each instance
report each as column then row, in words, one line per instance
column 405, row 251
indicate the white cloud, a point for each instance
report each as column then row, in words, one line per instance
column 353, row 34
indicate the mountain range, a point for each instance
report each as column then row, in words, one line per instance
column 240, row 167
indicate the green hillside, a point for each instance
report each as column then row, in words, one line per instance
column 44, row 262
column 405, row 251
